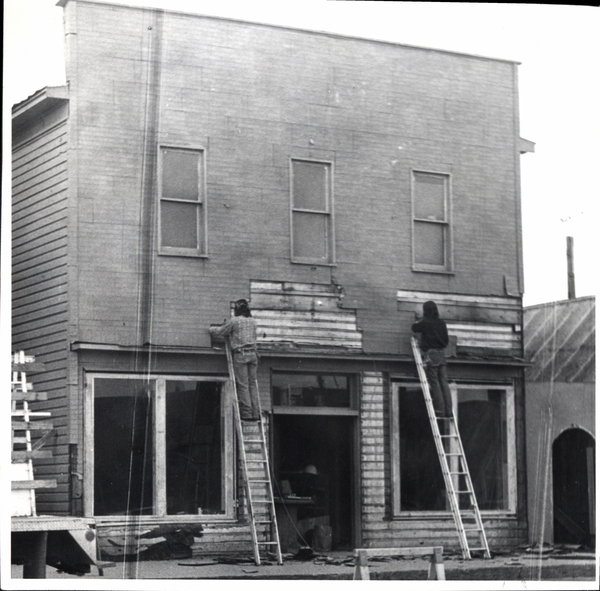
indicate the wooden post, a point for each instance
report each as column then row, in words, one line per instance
column 436, row 565
column 34, row 566
column 570, row 268
column 361, row 569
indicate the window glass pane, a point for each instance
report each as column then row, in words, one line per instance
column 310, row 235
column 309, row 187
column 311, row 390
column 123, row 452
column 422, row 486
column 482, row 423
column 429, row 243
column 193, row 447
column 180, row 174
column 430, row 196
column 179, row 224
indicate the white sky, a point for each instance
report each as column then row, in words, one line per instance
column 558, row 47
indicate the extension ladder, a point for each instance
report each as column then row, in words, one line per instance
column 455, row 470
column 257, row 477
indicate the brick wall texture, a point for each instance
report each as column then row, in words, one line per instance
column 253, row 97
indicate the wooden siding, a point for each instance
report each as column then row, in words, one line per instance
column 378, row 527
column 302, row 315
column 481, row 325
column 39, row 284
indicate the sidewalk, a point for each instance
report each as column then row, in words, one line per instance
column 563, row 564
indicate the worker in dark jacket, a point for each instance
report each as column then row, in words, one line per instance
column 434, row 339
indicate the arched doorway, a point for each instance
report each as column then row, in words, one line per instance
column 573, row 476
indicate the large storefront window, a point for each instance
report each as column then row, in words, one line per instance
column 159, row 447
column 485, row 417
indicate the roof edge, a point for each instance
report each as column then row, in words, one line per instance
column 63, row 3
column 560, row 302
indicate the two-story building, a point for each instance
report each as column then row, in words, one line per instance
column 337, row 183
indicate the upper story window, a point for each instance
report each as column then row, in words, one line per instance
column 312, row 212
column 182, row 203
column 431, row 222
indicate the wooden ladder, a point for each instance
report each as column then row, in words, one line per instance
column 257, row 477
column 455, row 470
column 24, row 449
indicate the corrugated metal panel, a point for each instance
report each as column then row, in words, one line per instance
column 302, row 314
column 560, row 341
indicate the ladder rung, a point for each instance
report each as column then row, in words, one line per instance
column 267, row 543
column 256, row 481
column 253, row 441
column 457, row 473
column 256, row 461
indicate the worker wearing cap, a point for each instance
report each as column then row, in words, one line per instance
column 241, row 331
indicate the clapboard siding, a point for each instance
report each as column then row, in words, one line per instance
column 305, row 314
column 481, row 325
column 40, row 289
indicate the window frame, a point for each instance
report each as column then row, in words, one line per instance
column 511, row 457
column 351, row 410
column 328, row 213
column 159, row 485
column 201, row 250
column 446, row 224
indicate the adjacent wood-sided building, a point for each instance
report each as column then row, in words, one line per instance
column 336, row 183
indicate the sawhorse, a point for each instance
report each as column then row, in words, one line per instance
column 436, row 565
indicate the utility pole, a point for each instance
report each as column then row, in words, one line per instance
column 570, row 268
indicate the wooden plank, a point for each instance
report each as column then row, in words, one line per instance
column 30, row 425
column 29, row 396
column 32, row 484
column 458, row 299
column 22, row 456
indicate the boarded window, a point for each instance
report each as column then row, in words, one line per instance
column 312, row 226
column 431, row 222
column 160, row 447
column 182, row 202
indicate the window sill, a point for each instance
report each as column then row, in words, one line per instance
column 187, row 255
column 116, row 520
column 312, row 263
column 447, row 515
column 437, row 270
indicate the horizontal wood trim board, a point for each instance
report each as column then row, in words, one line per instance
column 305, row 316
column 292, row 288
column 30, row 425
column 30, row 455
column 31, row 484
column 457, row 299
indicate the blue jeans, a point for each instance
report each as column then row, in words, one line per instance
column 437, row 376
column 245, row 363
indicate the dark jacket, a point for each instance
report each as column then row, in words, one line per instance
column 434, row 332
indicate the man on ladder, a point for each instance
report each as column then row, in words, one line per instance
column 434, row 339
column 241, row 330
column 438, row 401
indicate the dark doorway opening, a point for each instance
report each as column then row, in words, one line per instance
column 573, row 476
column 325, row 443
